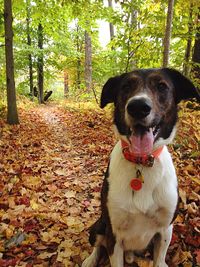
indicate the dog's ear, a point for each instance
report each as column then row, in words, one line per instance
column 184, row 88
column 109, row 91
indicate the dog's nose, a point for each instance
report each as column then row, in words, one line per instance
column 139, row 108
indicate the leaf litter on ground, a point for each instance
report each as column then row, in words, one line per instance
column 52, row 167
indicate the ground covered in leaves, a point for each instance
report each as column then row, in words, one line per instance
column 51, row 171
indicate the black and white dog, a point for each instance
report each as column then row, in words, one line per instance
column 139, row 195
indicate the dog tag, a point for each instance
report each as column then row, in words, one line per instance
column 136, row 183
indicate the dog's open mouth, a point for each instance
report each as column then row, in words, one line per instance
column 142, row 139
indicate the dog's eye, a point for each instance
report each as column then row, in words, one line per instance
column 161, row 86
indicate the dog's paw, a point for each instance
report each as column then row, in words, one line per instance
column 129, row 256
column 92, row 260
column 89, row 262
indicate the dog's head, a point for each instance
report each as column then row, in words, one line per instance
column 146, row 105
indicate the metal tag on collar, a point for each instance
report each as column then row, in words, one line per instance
column 139, row 175
column 150, row 161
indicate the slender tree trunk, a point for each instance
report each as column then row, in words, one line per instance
column 189, row 45
column 40, row 65
column 132, row 20
column 78, row 68
column 78, row 79
column 88, row 61
column 12, row 115
column 196, row 53
column 66, row 86
column 167, row 38
column 110, row 4
column 186, row 67
column 29, row 44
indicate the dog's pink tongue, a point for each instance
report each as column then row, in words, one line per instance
column 141, row 145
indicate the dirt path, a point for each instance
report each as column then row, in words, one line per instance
column 51, row 179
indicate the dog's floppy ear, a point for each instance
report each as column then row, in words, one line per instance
column 184, row 88
column 109, row 91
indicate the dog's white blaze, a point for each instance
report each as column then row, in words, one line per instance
column 137, row 217
column 140, row 95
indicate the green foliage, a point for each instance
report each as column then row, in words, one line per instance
column 138, row 43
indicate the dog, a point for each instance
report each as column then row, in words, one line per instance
column 139, row 196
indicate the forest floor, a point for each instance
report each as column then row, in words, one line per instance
column 51, row 171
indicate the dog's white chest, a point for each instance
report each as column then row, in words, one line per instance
column 133, row 227
column 134, row 231
column 136, row 216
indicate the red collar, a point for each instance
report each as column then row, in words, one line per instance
column 146, row 160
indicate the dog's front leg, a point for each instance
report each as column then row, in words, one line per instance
column 117, row 257
column 160, row 247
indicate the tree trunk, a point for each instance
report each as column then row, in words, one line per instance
column 12, row 115
column 78, row 78
column 88, row 62
column 187, row 57
column 167, row 38
column 132, row 20
column 196, row 54
column 40, row 64
column 66, row 87
column 78, row 50
column 189, row 45
column 29, row 44
column 110, row 24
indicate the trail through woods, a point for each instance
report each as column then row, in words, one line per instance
column 51, row 171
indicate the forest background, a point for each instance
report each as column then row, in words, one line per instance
column 57, row 46
column 54, row 155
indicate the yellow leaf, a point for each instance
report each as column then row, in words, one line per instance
column 196, row 180
column 45, row 255
column 70, row 194
column 144, row 263
column 61, row 172
column 9, row 231
column 182, row 195
column 70, row 221
column 187, row 264
column 34, row 205
column 179, row 219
